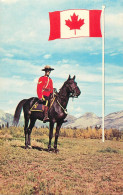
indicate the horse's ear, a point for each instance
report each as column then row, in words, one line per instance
column 69, row 77
column 74, row 77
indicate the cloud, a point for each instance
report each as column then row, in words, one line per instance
column 114, row 20
column 47, row 56
column 17, row 85
column 21, row 66
column 114, row 80
column 9, row 1
column 84, row 74
column 114, row 93
column 113, row 74
column 113, row 54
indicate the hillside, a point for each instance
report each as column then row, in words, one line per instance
column 87, row 120
column 113, row 120
column 5, row 117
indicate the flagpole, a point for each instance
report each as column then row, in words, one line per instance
column 103, row 72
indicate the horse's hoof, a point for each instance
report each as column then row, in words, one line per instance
column 49, row 149
column 56, row 151
column 30, row 147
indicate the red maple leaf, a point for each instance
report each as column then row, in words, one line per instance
column 74, row 23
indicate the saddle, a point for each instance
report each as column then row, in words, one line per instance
column 39, row 105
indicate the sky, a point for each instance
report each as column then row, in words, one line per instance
column 25, row 50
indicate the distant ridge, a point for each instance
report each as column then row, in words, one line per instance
column 112, row 120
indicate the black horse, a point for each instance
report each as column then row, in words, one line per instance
column 57, row 111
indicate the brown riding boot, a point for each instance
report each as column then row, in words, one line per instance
column 46, row 119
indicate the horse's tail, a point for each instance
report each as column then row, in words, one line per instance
column 18, row 112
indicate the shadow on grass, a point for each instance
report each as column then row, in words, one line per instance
column 42, row 149
column 36, row 148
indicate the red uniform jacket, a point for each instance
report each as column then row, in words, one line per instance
column 44, row 86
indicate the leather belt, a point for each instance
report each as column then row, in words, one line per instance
column 46, row 89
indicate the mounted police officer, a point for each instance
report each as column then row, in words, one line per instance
column 45, row 89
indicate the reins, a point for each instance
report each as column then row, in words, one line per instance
column 65, row 110
column 61, row 96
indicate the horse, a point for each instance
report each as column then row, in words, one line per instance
column 57, row 112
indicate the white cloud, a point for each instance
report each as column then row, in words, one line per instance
column 9, row 55
column 83, row 74
column 36, row 80
column 10, row 102
column 114, row 80
column 17, row 85
column 114, row 25
column 47, row 56
column 22, row 66
column 114, row 93
column 9, row 1
column 113, row 54
column 113, row 74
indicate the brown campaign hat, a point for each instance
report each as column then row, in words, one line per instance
column 47, row 67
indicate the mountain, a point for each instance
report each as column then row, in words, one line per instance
column 70, row 119
column 87, row 120
column 5, row 117
column 113, row 120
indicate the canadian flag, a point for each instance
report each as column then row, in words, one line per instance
column 75, row 23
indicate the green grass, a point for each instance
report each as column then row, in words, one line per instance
column 82, row 166
column 110, row 150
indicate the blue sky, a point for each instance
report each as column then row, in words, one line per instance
column 25, row 50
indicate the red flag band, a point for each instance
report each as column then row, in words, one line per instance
column 75, row 23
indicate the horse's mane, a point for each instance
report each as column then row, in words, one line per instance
column 60, row 90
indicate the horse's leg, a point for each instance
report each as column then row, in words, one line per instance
column 26, row 130
column 32, row 123
column 57, row 135
column 50, row 135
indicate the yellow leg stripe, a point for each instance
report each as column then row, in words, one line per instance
column 52, row 102
column 46, row 103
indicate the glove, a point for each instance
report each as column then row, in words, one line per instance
column 41, row 101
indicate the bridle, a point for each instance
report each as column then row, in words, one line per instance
column 62, row 96
column 73, row 91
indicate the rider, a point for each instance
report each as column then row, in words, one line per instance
column 44, row 89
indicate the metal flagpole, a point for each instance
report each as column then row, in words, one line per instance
column 103, row 73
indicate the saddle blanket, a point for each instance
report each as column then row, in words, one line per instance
column 37, row 107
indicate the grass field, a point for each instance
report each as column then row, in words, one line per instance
column 82, row 166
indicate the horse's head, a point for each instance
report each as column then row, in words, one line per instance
column 72, row 87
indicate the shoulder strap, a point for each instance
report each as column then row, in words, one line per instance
column 47, row 84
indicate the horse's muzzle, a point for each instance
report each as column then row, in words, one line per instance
column 76, row 93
